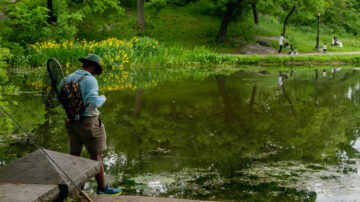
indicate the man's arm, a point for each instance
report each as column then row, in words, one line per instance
column 92, row 97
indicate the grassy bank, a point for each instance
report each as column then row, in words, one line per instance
column 189, row 26
column 192, row 26
column 304, row 59
column 121, row 54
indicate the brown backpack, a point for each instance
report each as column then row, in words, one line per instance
column 70, row 98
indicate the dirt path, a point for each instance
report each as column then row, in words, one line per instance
column 301, row 54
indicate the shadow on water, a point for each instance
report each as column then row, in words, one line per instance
column 245, row 135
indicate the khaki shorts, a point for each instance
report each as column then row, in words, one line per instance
column 89, row 131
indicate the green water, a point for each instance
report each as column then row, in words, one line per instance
column 228, row 135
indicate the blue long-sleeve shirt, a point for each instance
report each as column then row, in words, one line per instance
column 89, row 89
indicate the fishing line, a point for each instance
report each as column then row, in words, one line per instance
column 40, row 147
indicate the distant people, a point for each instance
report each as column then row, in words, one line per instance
column 339, row 43
column 280, row 79
column 292, row 72
column 336, row 42
column 324, row 49
column 333, row 42
column 324, row 73
column 281, row 41
column 293, row 50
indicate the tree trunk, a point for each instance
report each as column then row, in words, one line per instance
column 253, row 94
column 287, row 97
column 317, row 87
column 287, row 18
column 256, row 18
column 228, row 112
column 138, row 99
column 51, row 11
column 140, row 11
column 230, row 9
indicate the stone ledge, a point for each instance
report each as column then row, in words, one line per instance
column 28, row 192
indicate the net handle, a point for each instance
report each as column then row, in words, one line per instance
column 52, row 77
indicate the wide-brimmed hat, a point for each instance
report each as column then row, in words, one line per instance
column 92, row 58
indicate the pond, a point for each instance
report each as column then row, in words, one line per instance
column 227, row 135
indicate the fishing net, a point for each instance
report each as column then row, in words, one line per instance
column 51, row 82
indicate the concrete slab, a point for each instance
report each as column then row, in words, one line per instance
column 28, row 192
column 101, row 198
column 36, row 168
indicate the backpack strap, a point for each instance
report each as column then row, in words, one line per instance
column 81, row 78
column 87, row 104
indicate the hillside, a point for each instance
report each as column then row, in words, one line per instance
column 189, row 23
column 194, row 25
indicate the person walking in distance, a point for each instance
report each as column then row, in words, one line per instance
column 281, row 42
column 86, row 128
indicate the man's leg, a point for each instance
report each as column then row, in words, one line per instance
column 76, row 145
column 100, row 178
column 280, row 48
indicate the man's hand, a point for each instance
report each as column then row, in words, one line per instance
column 103, row 97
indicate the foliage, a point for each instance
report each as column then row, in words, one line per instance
column 119, row 54
column 27, row 21
column 5, row 87
column 66, row 21
column 115, row 55
column 159, row 4
column 343, row 17
column 28, row 25
column 5, row 55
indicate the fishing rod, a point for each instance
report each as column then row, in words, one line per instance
column 51, row 159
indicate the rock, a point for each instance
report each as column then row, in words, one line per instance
column 267, row 38
column 264, row 43
column 257, row 49
column 36, row 168
column 238, row 41
column 28, row 192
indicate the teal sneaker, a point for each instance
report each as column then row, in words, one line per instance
column 110, row 191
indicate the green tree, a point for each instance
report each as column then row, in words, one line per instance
column 140, row 14
column 231, row 6
column 5, row 87
column 255, row 13
column 27, row 24
column 310, row 7
column 343, row 16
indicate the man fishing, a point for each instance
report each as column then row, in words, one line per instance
column 88, row 129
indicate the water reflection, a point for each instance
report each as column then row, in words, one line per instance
column 249, row 136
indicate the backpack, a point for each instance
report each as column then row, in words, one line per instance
column 70, row 98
